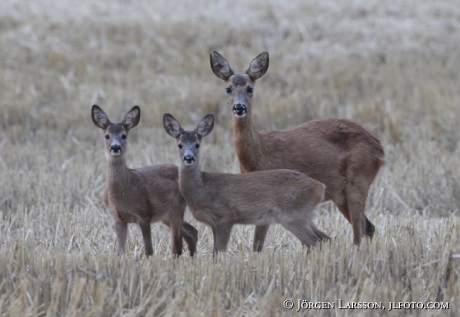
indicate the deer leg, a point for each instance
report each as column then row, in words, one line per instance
column 319, row 233
column 190, row 235
column 303, row 230
column 176, row 238
column 214, row 250
column 221, row 233
column 343, row 208
column 176, row 241
column 223, row 236
column 356, row 203
column 121, row 230
column 183, row 230
column 370, row 228
column 259, row 237
column 341, row 203
column 146, row 235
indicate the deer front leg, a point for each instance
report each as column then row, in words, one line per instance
column 121, row 230
column 221, row 233
column 259, row 237
column 147, row 236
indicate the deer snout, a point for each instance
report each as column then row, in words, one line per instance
column 115, row 149
column 189, row 159
column 240, row 110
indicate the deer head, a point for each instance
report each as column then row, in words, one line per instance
column 239, row 87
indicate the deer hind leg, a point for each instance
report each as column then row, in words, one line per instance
column 370, row 228
column 190, row 234
column 176, row 236
column 305, row 231
column 360, row 174
column 121, row 230
column 356, row 200
column 319, row 233
column 343, row 206
column 176, row 239
column 259, row 237
column 146, row 235
column 341, row 202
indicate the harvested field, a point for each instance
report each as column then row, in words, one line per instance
column 392, row 67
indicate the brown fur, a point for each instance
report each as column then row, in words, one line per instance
column 144, row 195
column 337, row 152
column 262, row 198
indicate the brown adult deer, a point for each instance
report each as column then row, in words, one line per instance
column 144, row 195
column 223, row 200
column 337, row 152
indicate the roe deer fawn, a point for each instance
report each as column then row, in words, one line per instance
column 222, row 200
column 337, row 152
column 144, row 195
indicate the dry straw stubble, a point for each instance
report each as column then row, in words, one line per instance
column 391, row 67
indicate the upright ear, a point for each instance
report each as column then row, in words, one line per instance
column 132, row 118
column 99, row 117
column 220, row 66
column 205, row 126
column 172, row 126
column 258, row 66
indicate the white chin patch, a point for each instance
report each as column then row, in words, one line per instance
column 115, row 153
column 239, row 115
column 188, row 163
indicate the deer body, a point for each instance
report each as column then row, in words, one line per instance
column 326, row 148
column 337, row 152
column 145, row 195
column 134, row 194
column 260, row 198
column 222, row 200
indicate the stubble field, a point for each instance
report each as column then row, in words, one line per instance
column 392, row 67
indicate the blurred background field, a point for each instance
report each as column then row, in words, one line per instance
column 393, row 67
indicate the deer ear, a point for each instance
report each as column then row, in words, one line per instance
column 172, row 126
column 132, row 118
column 220, row 66
column 258, row 66
column 205, row 126
column 99, row 117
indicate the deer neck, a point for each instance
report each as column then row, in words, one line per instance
column 247, row 143
column 118, row 174
column 190, row 179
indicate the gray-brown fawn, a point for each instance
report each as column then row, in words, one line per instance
column 222, row 200
column 144, row 195
column 337, row 152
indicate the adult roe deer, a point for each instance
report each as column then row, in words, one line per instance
column 222, row 200
column 144, row 195
column 337, row 152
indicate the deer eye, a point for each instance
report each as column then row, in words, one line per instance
column 228, row 90
column 250, row 90
column 180, row 146
column 197, row 146
column 107, row 136
column 123, row 136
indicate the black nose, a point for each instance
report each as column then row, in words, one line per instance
column 239, row 109
column 115, row 148
column 189, row 159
